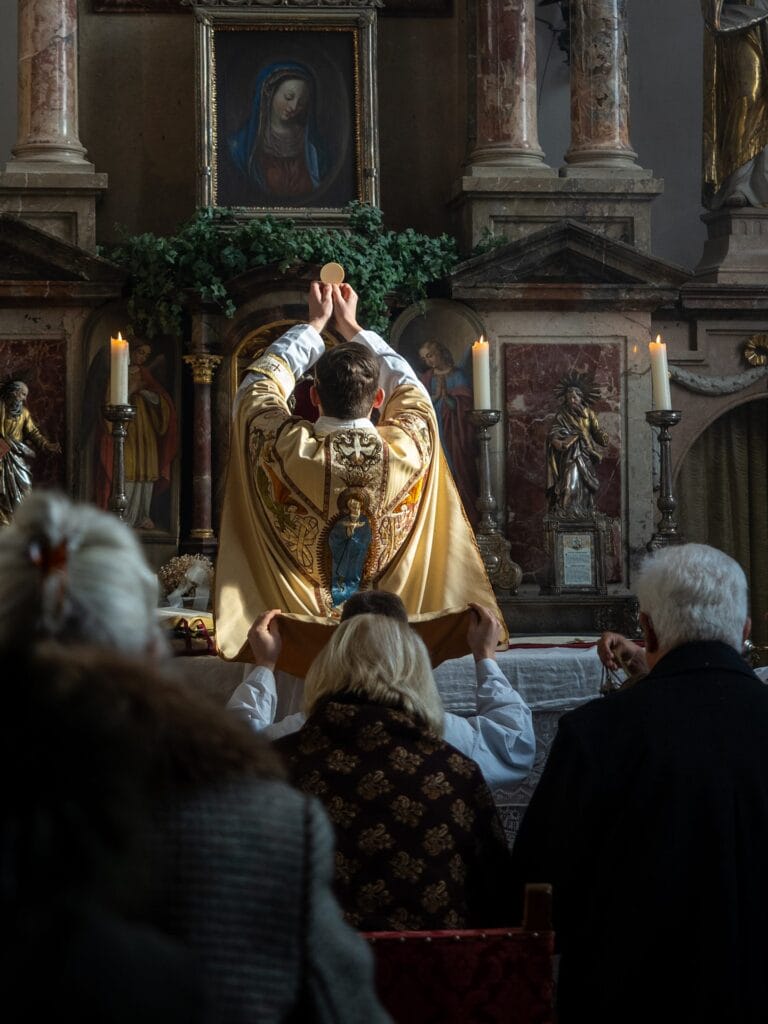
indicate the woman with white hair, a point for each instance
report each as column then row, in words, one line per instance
column 74, row 574
column 419, row 842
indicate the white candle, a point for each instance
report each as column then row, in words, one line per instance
column 118, row 366
column 481, row 374
column 662, row 398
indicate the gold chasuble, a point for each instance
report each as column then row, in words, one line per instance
column 314, row 512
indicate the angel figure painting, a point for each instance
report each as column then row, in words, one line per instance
column 450, row 387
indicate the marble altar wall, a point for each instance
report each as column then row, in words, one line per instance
column 530, row 352
column 531, row 373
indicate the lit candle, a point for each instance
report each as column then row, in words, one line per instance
column 118, row 377
column 662, row 399
column 481, row 374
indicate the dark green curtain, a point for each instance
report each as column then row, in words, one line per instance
column 722, row 489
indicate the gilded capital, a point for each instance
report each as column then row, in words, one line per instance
column 203, row 367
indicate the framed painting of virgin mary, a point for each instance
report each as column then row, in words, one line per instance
column 287, row 110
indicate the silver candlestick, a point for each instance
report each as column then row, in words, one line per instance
column 667, row 531
column 503, row 573
column 119, row 416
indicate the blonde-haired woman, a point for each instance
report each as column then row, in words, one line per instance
column 419, row 843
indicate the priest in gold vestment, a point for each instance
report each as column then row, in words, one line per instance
column 314, row 512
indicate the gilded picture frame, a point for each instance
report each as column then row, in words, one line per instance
column 287, row 111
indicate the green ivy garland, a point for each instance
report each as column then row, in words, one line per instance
column 213, row 247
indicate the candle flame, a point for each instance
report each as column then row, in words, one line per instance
column 634, row 350
column 658, row 339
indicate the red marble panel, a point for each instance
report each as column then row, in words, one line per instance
column 41, row 364
column 531, row 373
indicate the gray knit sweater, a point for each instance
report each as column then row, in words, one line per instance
column 244, row 879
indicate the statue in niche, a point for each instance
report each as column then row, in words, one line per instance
column 735, row 127
column 575, row 446
column 450, row 388
column 19, row 437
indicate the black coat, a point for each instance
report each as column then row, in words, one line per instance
column 651, row 821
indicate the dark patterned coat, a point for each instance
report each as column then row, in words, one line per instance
column 419, row 842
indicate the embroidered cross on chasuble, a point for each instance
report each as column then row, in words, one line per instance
column 314, row 513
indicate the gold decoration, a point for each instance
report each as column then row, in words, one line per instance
column 203, row 367
column 175, row 572
column 756, row 350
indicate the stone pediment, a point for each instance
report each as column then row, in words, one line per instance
column 567, row 262
column 30, row 257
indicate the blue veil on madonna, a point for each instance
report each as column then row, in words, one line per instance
column 253, row 145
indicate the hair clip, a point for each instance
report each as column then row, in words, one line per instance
column 46, row 557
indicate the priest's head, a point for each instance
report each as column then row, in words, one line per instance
column 691, row 593
column 347, row 382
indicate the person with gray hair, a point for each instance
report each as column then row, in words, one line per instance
column 651, row 816
column 74, row 574
column 685, row 593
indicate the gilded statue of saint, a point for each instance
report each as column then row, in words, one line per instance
column 735, row 169
column 19, row 437
column 575, row 446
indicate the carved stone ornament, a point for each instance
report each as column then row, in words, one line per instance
column 704, row 384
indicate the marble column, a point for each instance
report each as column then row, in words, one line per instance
column 201, row 535
column 47, row 105
column 507, row 139
column 599, row 89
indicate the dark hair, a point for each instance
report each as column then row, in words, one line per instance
column 347, row 377
column 374, row 602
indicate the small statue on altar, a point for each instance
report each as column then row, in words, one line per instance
column 17, row 430
column 575, row 446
